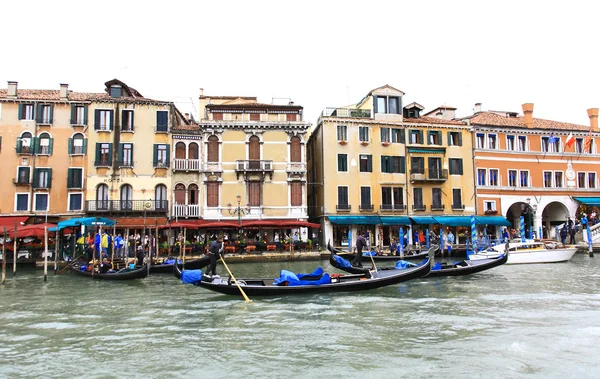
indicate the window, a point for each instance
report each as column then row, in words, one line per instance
column 489, row 205
column 418, row 198
column 44, row 114
column 180, row 194
column 363, row 134
column 365, row 163
column 581, row 179
column 522, row 143
column 545, row 145
column 79, row 114
column 512, row 178
column 392, row 164
column 212, row 149
column 481, row 174
column 295, row 150
column 116, row 91
column 342, row 162
column 102, row 197
column 391, row 198
column 40, row 202
column 342, row 133
column 125, row 155
column 416, row 136
column 492, row 142
column 397, row 136
column 103, row 155
column 435, row 137
column 456, row 166
column 510, row 142
column 398, row 198
column 75, row 178
column 384, row 134
column 212, row 194
column 46, row 144
column 386, row 198
column 254, row 116
column 75, row 202
column 194, row 151
column 42, row 178
column 193, row 194
column 457, row 198
column 25, row 144
column 162, row 121
column 127, row 120
column 77, row 145
column 387, row 104
column 579, row 145
column 296, row 194
column 217, row 116
column 342, row 202
column 126, row 197
column 591, row 180
column 254, row 192
column 161, row 156
column 417, row 165
column 524, row 178
column 547, row 179
column 21, row 202
column 25, row 111
column 23, row 175
column 554, row 144
column 454, row 139
column 365, row 198
column 103, row 119
column 480, row 140
column 493, row 177
column 436, row 198
column 558, row 179
column 435, row 168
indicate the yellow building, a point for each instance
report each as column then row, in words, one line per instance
column 378, row 165
column 43, row 148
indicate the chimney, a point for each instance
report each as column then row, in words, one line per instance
column 64, row 92
column 201, row 92
column 477, row 108
column 12, row 90
column 528, row 113
column 593, row 115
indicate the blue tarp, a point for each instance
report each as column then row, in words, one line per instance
column 342, row 262
column 453, row 220
column 369, row 253
column 291, row 279
column 492, row 220
column 191, row 276
column 85, row 221
column 437, row 266
column 354, row 220
column 404, row 264
column 394, row 220
column 171, row 261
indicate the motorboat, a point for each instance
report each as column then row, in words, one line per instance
column 530, row 251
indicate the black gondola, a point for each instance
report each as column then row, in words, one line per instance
column 192, row 264
column 339, row 283
column 465, row 267
column 390, row 258
column 125, row 274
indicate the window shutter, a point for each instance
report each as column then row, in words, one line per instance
column 50, row 146
column 402, row 136
column 21, row 112
column 420, row 136
column 168, row 155
column 110, row 152
column 402, row 165
column 112, row 119
column 73, row 114
column 459, row 138
column 84, row 149
column 51, row 113
column 49, row 177
column 460, row 166
column 39, row 114
column 97, row 152
column 449, row 138
column 132, row 122
column 429, row 134
column 131, row 155
column 383, row 159
column 36, row 178
column 19, row 144
column 85, row 114
column 120, row 154
column 96, row 119
column 70, row 178
column 70, row 146
column 374, row 104
column 370, row 164
column 36, row 145
column 155, row 156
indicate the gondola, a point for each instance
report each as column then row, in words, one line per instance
column 137, row 273
column 389, row 258
column 192, row 264
column 328, row 282
column 465, row 267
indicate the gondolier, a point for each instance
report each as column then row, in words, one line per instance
column 361, row 242
column 216, row 248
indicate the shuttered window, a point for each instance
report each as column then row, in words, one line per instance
column 212, row 194
column 342, row 196
column 296, row 189
column 75, row 178
column 162, row 121
column 342, row 162
column 295, row 150
column 254, row 193
column 79, row 114
column 212, row 154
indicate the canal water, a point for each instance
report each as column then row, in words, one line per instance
column 518, row 321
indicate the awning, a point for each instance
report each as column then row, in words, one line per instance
column 418, row 150
column 394, row 220
column 453, row 220
column 8, row 222
column 354, row 220
column 592, row 201
column 34, row 230
column 222, row 224
column 189, row 224
column 85, row 221
column 423, row 220
column 492, row 220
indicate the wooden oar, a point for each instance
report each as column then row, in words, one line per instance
column 373, row 261
column 234, row 279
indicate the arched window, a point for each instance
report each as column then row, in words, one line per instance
column 254, row 152
column 126, row 197
column 160, row 197
column 180, row 194
column 78, row 144
column 295, row 150
column 180, row 150
column 212, row 150
column 193, row 194
column 193, row 151
column 102, row 197
column 24, row 143
column 45, row 144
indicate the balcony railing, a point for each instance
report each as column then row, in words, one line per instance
column 296, row 167
column 346, row 112
column 392, row 207
column 343, row 207
column 136, row 206
column 433, row 175
column 437, row 207
column 21, row 181
column 180, row 164
column 458, row 207
column 102, row 163
column 253, row 166
column 128, row 163
column 186, row 210
column 419, row 208
column 212, row 167
column 366, row 207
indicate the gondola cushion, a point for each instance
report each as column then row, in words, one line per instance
column 404, row 264
column 342, row 262
column 437, row 266
column 191, row 276
column 288, row 278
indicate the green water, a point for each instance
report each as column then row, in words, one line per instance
column 530, row 321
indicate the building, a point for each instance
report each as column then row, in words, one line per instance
column 43, row 146
column 540, row 169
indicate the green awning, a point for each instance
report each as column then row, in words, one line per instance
column 394, row 220
column 416, row 150
column 593, row 201
column 492, row 220
column 354, row 220
column 423, row 220
column 453, row 220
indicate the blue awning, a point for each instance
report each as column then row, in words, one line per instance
column 492, row 220
column 453, row 220
column 592, row 201
column 85, row 221
column 394, row 220
column 423, row 220
column 355, row 220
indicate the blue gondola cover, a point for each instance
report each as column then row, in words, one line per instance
column 289, row 278
column 191, row 276
column 342, row 262
column 404, row 264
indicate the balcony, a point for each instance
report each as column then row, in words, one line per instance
column 212, row 167
column 343, row 207
column 180, row 164
column 21, row 182
column 433, row 175
column 419, row 208
column 392, row 208
column 346, row 112
column 246, row 167
column 25, row 150
column 186, row 210
column 125, row 164
column 458, row 207
column 296, row 167
column 127, row 206
column 102, row 163
column 366, row 207
column 437, row 207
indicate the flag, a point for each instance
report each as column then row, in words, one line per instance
column 588, row 142
column 570, row 140
column 552, row 139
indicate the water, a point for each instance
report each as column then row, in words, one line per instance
column 519, row 321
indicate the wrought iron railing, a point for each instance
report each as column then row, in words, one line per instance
column 138, row 206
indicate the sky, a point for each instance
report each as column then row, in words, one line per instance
column 316, row 53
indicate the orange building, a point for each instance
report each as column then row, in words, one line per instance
column 531, row 167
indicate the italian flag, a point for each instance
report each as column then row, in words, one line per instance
column 570, row 140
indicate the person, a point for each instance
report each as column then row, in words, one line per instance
column 105, row 266
column 584, row 221
column 140, row 256
column 104, row 244
column 450, row 239
column 216, row 247
column 571, row 226
column 563, row 233
column 393, row 247
column 505, row 235
column 361, row 242
column 119, row 246
column 421, row 238
column 98, row 244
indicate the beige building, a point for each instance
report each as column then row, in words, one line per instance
column 378, row 165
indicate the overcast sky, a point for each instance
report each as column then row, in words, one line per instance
column 319, row 54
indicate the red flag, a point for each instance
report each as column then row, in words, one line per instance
column 570, row 140
column 588, row 143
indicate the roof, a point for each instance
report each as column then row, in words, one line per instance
column 193, row 127
column 252, row 105
column 228, row 97
column 414, row 105
column 441, row 107
column 433, row 120
column 493, row 119
column 386, row 86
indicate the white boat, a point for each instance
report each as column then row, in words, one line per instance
column 529, row 252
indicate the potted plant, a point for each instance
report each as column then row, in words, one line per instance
column 491, row 212
column 364, row 143
column 385, row 143
column 343, row 142
column 164, row 248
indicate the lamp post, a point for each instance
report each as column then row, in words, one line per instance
column 239, row 211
